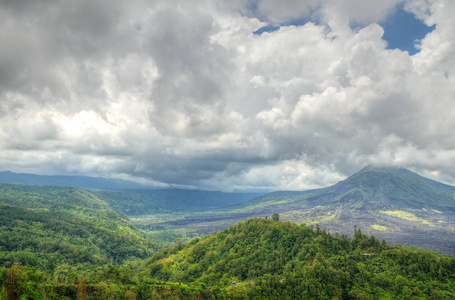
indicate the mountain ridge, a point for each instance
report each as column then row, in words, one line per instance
column 83, row 182
column 375, row 179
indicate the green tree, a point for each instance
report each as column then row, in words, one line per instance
column 276, row 217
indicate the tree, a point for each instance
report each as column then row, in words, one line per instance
column 9, row 285
column 82, row 289
column 130, row 295
column 276, row 217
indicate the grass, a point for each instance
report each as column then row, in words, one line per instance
column 281, row 200
column 156, row 218
column 406, row 216
column 311, row 216
column 379, row 227
column 319, row 219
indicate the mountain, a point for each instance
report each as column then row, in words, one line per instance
column 143, row 202
column 83, row 182
column 51, row 226
column 131, row 198
column 398, row 186
column 392, row 203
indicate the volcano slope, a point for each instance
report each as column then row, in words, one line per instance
column 391, row 203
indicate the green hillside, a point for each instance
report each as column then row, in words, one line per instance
column 282, row 260
column 83, row 182
column 267, row 260
column 50, row 226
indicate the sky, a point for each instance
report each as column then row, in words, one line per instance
column 232, row 95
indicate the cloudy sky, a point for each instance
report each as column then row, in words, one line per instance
column 227, row 94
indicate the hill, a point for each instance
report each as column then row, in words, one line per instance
column 392, row 203
column 51, row 226
column 257, row 259
column 281, row 260
column 83, row 182
column 131, row 198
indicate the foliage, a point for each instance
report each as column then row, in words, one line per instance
column 379, row 227
column 406, row 216
column 282, row 260
column 67, row 243
column 269, row 260
column 275, row 217
column 50, row 226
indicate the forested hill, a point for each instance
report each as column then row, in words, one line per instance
column 131, row 198
column 281, row 260
column 51, row 226
column 267, row 259
column 84, row 182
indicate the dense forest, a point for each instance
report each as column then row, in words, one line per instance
column 50, row 227
column 267, row 259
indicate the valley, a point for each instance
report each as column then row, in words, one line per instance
column 392, row 204
column 347, row 241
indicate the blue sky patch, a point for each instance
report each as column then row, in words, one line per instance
column 268, row 28
column 402, row 29
column 274, row 27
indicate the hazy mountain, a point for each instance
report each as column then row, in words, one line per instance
column 142, row 202
column 131, row 198
column 83, row 182
column 396, row 186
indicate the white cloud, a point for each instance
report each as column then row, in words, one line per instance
column 185, row 94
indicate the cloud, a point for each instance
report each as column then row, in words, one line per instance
column 184, row 94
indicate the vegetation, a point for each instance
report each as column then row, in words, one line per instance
column 268, row 260
column 379, row 227
column 47, row 227
column 68, row 243
column 276, row 217
column 406, row 216
column 83, row 182
column 285, row 261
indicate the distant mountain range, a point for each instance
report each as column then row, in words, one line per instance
column 131, row 198
column 83, row 182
